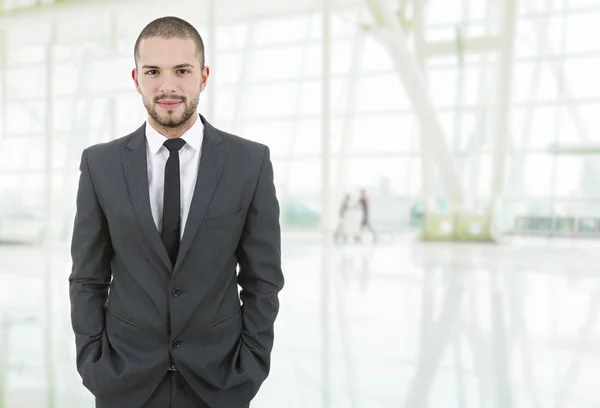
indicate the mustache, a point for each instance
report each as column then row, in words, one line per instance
column 181, row 98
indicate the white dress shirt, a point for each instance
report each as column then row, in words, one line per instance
column 189, row 160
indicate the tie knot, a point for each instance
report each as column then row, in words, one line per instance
column 174, row 145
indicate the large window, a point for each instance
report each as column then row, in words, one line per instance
column 267, row 84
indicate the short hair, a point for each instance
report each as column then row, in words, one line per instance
column 171, row 27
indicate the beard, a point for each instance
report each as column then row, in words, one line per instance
column 171, row 119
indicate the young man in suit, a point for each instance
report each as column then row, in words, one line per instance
column 165, row 215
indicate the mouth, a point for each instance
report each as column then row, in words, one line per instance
column 169, row 103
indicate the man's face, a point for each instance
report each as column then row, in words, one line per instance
column 169, row 77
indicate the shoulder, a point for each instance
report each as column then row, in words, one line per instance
column 243, row 149
column 105, row 149
column 108, row 151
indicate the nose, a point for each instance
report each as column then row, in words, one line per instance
column 169, row 84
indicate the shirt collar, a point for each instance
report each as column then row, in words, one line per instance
column 193, row 136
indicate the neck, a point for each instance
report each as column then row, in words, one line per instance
column 173, row 132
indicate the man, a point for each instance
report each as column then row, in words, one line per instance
column 365, row 221
column 341, row 232
column 164, row 217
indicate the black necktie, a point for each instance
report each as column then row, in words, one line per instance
column 171, row 220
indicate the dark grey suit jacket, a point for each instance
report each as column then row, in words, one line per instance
column 133, row 313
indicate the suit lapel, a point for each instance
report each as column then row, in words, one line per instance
column 212, row 162
column 136, row 173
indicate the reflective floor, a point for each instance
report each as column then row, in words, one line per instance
column 401, row 324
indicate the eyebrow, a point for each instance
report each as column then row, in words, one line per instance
column 176, row 66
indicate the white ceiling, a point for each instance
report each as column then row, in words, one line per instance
column 227, row 10
column 79, row 22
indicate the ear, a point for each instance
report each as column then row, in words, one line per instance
column 205, row 75
column 134, row 76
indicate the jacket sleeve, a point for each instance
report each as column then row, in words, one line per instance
column 260, row 275
column 91, row 253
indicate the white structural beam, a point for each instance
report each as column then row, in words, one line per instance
column 427, row 167
column 49, row 131
column 49, row 216
column 212, row 51
column 459, row 101
column 478, row 137
column 326, row 49
column 348, row 123
column 285, row 188
column 480, row 44
column 3, row 84
column 503, row 118
column 389, row 32
column 241, row 87
column 112, row 100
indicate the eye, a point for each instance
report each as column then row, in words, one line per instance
column 152, row 72
column 183, row 71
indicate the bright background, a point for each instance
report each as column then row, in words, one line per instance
column 515, row 88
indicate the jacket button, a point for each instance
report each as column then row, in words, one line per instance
column 177, row 292
column 176, row 343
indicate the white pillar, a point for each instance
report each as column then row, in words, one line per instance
column 500, row 142
column 284, row 188
column 4, row 83
column 51, row 226
column 341, row 187
column 483, row 112
column 479, row 129
column 427, row 167
column 326, row 202
column 49, row 132
column 212, row 49
column 241, row 88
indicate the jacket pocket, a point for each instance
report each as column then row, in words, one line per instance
column 233, row 219
column 121, row 319
column 225, row 319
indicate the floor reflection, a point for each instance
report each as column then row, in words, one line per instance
column 406, row 324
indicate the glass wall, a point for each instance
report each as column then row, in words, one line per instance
column 65, row 87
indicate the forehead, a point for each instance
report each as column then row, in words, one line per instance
column 154, row 50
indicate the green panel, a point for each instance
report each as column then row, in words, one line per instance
column 439, row 227
column 297, row 214
column 473, row 227
column 457, row 227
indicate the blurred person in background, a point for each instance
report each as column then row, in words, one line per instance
column 164, row 217
column 365, row 222
column 341, row 232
